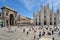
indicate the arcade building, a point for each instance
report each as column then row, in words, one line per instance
column 11, row 18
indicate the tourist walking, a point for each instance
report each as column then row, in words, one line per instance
column 53, row 38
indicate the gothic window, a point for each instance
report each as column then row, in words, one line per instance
column 54, row 23
column 50, row 23
column 44, row 22
column 44, row 11
column 36, row 23
column 54, row 18
column 39, row 23
column 44, row 16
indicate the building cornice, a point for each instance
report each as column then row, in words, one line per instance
column 5, row 7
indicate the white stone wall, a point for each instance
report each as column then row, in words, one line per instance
column 47, row 14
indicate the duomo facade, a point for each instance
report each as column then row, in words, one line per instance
column 46, row 16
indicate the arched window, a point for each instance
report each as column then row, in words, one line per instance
column 36, row 23
column 54, row 23
column 44, row 10
column 7, row 13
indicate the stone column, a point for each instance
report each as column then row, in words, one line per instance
column 5, row 23
column 48, row 19
column 14, row 20
column 42, row 18
column 37, row 20
column 8, row 22
column 53, row 19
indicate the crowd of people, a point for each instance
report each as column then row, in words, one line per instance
column 42, row 33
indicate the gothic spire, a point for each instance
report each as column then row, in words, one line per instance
column 58, row 12
column 48, row 5
column 52, row 5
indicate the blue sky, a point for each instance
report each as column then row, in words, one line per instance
column 27, row 7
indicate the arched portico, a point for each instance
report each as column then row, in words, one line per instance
column 11, row 19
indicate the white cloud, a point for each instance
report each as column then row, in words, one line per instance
column 29, row 4
column 58, row 2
